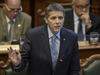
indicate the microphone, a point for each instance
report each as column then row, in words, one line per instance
column 61, row 60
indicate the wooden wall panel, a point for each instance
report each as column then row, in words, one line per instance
column 95, row 7
column 42, row 4
column 26, row 6
column 31, row 7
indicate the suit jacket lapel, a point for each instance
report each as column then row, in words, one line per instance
column 45, row 40
column 17, row 27
column 69, row 20
column 63, row 44
column 63, row 39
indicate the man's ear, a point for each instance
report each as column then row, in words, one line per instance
column 72, row 5
column 46, row 20
column 3, row 6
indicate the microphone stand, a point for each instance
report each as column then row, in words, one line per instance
column 61, row 60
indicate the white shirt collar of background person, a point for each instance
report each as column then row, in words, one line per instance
column 50, row 34
column 76, row 22
column 8, row 20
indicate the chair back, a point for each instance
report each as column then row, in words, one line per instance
column 91, row 66
column 5, row 69
column 9, row 71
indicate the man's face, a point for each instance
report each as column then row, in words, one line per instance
column 55, row 21
column 81, row 6
column 14, row 7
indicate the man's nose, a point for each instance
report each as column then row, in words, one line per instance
column 57, row 20
column 15, row 13
column 84, row 9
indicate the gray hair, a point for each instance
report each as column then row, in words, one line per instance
column 54, row 7
column 74, row 1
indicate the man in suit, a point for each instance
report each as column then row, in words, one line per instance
column 21, row 22
column 37, row 48
column 90, row 22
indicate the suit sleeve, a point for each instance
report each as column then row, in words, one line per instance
column 25, row 53
column 74, row 66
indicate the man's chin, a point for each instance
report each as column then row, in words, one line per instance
column 14, row 17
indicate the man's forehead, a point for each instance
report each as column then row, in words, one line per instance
column 14, row 3
column 82, row 2
column 55, row 13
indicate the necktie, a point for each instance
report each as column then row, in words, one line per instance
column 80, row 31
column 54, row 54
column 11, row 32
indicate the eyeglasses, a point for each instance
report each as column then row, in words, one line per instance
column 13, row 10
column 81, row 7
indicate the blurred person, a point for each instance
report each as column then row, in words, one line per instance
column 49, row 49
column 81, row 11
column 13, row 22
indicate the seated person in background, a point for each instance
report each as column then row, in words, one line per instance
column 81, row 15
column 49, row 49
column 13, row 22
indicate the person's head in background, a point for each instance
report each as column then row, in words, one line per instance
column 54, row 17
column 11, row 8
column 81, row 6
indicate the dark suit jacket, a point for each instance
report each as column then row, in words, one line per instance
column 95, row 21
column 36, row 52
column 22, row 24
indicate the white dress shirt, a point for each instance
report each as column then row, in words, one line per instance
column 8, row 24
column 50, row 34
column 76, row 22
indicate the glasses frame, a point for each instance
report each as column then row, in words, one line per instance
column 81, row 7
column 10, row 9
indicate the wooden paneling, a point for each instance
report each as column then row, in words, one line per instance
column 26, row 6
column 95, row 7
column 31, row 7
column 42, row 4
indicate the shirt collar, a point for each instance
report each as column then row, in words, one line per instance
column 76, row 18
column 8, row 20
column 51, row 34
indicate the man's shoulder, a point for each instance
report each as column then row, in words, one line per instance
column 1, row 11
column 94, row 16
column 24, row 15
column 68, row 31
column 36, row 29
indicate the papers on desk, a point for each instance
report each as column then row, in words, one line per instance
column 83, row 43
column 3, row 48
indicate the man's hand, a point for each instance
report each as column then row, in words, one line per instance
column 84, row 16
column 14, row 56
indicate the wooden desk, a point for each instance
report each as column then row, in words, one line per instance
column 4, row 52
column 84, row 52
